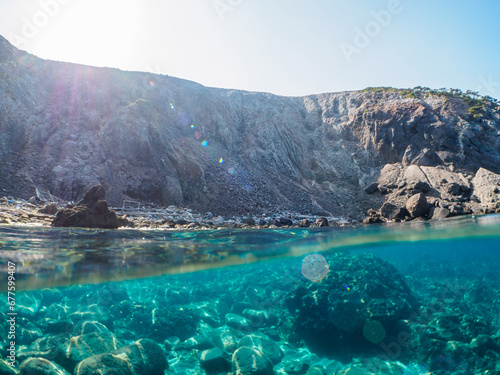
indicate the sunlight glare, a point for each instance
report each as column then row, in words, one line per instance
column 99, row 33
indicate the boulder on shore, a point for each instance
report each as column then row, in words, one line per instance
column 417, row 205
column 91, row 212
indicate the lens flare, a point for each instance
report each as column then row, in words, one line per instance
column 151, row 83
column 221, row 160
column 192, row 126
column 315, row 267
column 172, row 107
column 204, row 143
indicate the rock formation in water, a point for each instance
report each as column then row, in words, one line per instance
column 154, row 138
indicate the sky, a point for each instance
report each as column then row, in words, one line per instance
column 285, row 47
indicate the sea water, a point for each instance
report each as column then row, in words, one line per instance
column 411, row 298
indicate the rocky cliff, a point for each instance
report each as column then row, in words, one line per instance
column 154, row 138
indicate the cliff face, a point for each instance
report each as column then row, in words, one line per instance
column 66, row 127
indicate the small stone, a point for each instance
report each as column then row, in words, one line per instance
column 421, row 186
column 391, row 211
column 456, row 210
column 372, row 188
column 259, row 318
column 372, row 220
column 321, row 222
column 383, row 189
column 285, row 221
column 296, row 367
column 171, row 343
column 304, row 223
column 417, row 205
column 49, row 209
column 452, row 188
column 248, row 220
column 439, row 213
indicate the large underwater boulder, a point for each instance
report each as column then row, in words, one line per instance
column 355, row 306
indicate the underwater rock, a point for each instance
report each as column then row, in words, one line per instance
column 225, row 339
column 316, row 370
column 55, row 312
column 417, row 205
column 215, row 360
column 78, row 348
column 250, row 361
column 329, row 315
column 85, row 326
column 200, row 342
column 264, row 344
column 91, row 212
column 51, row 296
column 144, row 356
column 238, row 322
column 44, row 347
column 41, row 366
column 296, row 367
column 171, row 321
column 482, row 344
column 58, row 326
column 28, row 303
column 27, row 332
column 209, row 317
column 91, row 313
column 6, row 369
column 259, row 318
column 171, row 343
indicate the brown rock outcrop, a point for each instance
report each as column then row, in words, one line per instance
column 91, row 212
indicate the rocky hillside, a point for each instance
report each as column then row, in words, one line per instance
column 154, row 138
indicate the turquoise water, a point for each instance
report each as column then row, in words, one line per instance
column 412, row 298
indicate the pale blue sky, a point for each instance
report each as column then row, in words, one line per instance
column 286, row 47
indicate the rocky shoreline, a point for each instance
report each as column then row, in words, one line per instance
column 21, row 212
column 402, row 193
